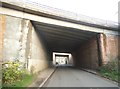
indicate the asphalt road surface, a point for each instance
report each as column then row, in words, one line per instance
column 70, row 77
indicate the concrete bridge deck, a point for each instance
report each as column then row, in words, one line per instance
column 46, row 11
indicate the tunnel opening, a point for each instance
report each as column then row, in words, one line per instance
column 38, row 44
column 82, row 45
column 62, row 59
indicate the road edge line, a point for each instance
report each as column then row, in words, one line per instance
column 41, row 85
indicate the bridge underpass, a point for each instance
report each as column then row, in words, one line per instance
column 69, row 40
column 35, row 42
column 36, row 36
column 89, row 40
column 84, row 46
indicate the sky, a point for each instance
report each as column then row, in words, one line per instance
column 102, row 9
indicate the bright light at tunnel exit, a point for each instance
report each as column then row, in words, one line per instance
column 61, row 59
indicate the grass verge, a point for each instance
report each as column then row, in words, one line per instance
column 25, row 82
column 110, row 70
column 112, row 75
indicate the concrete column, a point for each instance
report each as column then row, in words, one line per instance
column 102, row 49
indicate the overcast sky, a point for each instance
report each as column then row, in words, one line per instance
column 103, row 9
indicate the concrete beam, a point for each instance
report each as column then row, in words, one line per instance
column 57, row 34
column 61, row 37
column 65, row 31
column 46, row 20
column 55, row 13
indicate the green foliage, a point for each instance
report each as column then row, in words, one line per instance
column 12, row 72
column 26, row 81
column 110, row 70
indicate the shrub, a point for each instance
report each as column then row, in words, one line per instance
column 12, row 71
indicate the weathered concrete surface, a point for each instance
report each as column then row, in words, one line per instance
column 2, row 31
column 39, row 59
column 46, row 20
column 22, row 42
column 11, row 38
column 70, row 77
column 86, row 55
column 42, row 10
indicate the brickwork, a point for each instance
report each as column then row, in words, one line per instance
column 87, row 55
column 111, row 47
column 102, row 49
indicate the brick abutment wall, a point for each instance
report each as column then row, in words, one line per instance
column 86, row 56
column 111, row 48
column 96, row 52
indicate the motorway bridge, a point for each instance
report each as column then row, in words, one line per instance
column 37, row 34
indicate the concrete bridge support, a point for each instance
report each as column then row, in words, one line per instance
column 23, row 42
column 97, row 51
column 86, row 55
column 111, row 47
column 2, row 30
